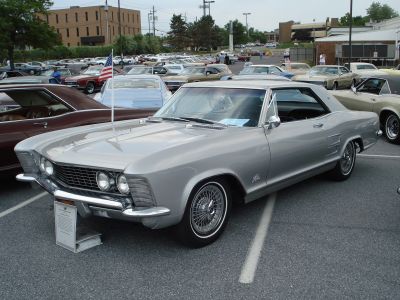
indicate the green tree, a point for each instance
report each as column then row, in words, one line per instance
column 378, row 12
column 256, row 35
column 204, row 33
column 357, row 21
column 178, row 36
column 239, row 33
column 21, row 27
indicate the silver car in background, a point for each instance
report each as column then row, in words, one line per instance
column 212, row 144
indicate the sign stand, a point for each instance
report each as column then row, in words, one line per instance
column 69, row 233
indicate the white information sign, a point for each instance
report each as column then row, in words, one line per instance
column 65, row 221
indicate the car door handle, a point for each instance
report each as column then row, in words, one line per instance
column 44, row 124
column 318, row 125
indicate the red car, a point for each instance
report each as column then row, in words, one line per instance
column 28, row 110
column 88, row 80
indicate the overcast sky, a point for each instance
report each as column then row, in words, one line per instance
column 265, row 14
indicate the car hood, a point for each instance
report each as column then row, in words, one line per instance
column 130, row 143
column 78, row 77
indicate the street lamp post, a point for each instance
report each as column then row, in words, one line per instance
column 119, row 27
column 350, row 30
column 247, row 25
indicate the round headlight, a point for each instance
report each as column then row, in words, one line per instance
column 122, row 185
column 48, row 168
column 103, row 181
column 42, row 164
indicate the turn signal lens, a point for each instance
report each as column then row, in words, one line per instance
column 103, row 181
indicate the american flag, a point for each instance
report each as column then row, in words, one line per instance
column 106, row 72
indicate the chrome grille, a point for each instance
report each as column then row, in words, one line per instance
column 77, row 177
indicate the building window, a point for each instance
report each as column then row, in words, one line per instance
column 123, row 17
column 112, row 16
column 113, row 30
column 67, row 32
column 98, row 30
column 87, row 31
column 128, row 18
column 76, row 17
column 58, row 31
column 57, row 19
column 86, row 15
column 66, row 18
column 79, row 44
column 97, row 15
column 124, row 30
column 77, row 31
column 69, row 44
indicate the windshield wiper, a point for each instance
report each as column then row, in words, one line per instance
column 155, row 119
column 203, row 121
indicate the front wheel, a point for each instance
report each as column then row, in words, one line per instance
column 89, row 88
column 392, row 125
column 344, row 167
column 206, row 214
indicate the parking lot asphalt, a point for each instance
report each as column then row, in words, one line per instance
column 325, row 240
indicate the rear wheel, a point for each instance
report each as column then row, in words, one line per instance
column 392, row 133
column 206, row 213
column 344, row 167
column 89, row 88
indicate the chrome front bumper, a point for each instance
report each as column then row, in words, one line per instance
column 101, row 206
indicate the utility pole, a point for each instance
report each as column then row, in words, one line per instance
column 154, row 22
column 230, row 36
column 204, row 8
column 247, row 25
column 350, row 31
column 209, row 6
column 148, row 18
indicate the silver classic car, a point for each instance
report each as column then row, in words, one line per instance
column 212, row 144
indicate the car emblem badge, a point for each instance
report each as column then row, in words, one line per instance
column 255, row 178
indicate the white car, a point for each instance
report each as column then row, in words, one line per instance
column 364, row 70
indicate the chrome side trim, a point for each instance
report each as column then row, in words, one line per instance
column 90, row 200
column 147, row 212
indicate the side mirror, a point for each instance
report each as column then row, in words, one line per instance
column 273, row 122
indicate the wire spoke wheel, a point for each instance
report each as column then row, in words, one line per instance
column 348, row 158
column 208, row 209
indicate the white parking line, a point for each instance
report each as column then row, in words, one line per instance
column 250, row 265
column 378, row 156
column 22, row 204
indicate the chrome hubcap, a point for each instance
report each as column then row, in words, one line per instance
column 208, row 209
column 392, row 127
column 347, row 161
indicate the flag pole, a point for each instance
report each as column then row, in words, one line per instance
column 112, row 87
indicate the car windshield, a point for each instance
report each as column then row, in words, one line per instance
column 192, row 71
column 137, row 71
column 134, row 83
column 255, row 70
column 366, row 67
column 324, row 70
column 228, row 106
column 92, row 71
column 63, row 72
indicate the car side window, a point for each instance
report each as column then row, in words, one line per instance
column 372, row 86
column 344, row 70
column 274, row 70
column 212, row 71
column 385, row 89
column 295, row 104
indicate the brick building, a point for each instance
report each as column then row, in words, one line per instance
column 87, row 26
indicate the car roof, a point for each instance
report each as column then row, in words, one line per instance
column 248, row 84
column 321, row 66
column 137, row 76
